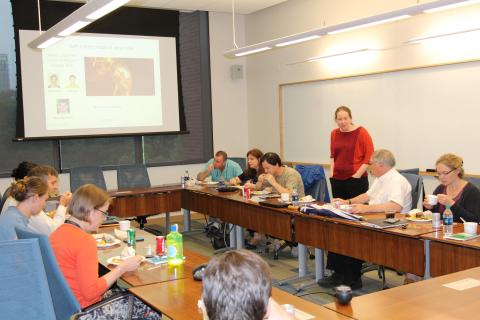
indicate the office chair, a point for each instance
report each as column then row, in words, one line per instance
column 242, row 162
column 132, row 176
column 64, row 303
column 83, row 175
column 412, row 171
column 24, row 293
column 6, row 194
column 416, row 182
column 474, row 181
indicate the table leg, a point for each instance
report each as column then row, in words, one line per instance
column 167, row 222
column 186, row 220
column 426, row 244
column 302, row 260
column 233, row 237
column 239, row 236
column 319, row 264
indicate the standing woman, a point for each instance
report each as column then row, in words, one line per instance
column 254, row 169
column 351, row 148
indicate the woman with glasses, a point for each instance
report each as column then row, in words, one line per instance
column 454, row 191
column 76, row 253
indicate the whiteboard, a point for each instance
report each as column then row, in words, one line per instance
column 418, row 114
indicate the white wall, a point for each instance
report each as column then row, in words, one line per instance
column 269, row 69
column 229, row 96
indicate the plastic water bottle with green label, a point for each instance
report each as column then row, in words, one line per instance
column 174, row 246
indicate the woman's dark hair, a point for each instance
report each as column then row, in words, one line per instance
column 257, row 153
column 25, row 188
column 343, row 108
column 271, row 158
column 22, row 170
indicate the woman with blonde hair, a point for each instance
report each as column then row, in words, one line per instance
column 30, row 195
column 454, row 191
column 76, row 253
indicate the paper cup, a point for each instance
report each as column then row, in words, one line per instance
column 432, row 199
column 124, row 225
column 470, row 227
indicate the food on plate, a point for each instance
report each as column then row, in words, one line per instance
column 116, row 261
column 127, row 252
column 104, row 239
column 308, row 198
column 419, row 215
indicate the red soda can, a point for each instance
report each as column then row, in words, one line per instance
column 160, row 245
column 246, row 192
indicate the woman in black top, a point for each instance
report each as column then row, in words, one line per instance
column 254, row 169
column 462, row 196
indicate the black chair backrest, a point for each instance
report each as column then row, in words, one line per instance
column 132, row 176
column 83, row 175
column 242, row 162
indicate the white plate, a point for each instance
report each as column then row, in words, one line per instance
column 117, row 260
column 419, row 220
column 99, row 237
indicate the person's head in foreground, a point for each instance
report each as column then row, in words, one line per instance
column 237, row 285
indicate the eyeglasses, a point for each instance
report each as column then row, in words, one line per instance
column 439, row 174
column 105, row 213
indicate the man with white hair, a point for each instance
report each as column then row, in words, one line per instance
column 390, row 191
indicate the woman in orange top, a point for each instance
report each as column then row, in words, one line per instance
column 351, row 148
column 76, row 251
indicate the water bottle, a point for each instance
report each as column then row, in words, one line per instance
column 295, row 197
column 221, row 181
column 186, row 176
column 174, row 246
column 447, row 221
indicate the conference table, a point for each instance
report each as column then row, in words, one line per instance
column 429, row 299
column 448, row 256
column 178, row 300
column 148, row 273
column 418, row 249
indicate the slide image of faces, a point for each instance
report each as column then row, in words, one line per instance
column 63, row 106
column 53, row 81
column 72, row 82
column 106, row 76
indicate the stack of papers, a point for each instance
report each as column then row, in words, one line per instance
column 328, row 210
column 461, row 236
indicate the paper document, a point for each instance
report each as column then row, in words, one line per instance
column 463, row 284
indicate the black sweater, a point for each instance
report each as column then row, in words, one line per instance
column 467, row 207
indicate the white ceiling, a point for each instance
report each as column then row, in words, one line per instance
column 241, row 6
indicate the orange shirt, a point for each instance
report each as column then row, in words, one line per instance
column 76, row 253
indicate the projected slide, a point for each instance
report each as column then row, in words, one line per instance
column 100, row 84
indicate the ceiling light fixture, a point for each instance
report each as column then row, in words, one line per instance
column 347, row 26
column 313, row 59
column 449, row 34
column 77, row 20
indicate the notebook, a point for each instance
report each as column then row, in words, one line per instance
column 461, row 236
column 381, row 224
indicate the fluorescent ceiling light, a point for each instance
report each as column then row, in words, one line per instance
column 74, row 27
column 336, row 54
column 109, row 7
column 287, row 43
column 240, row 54
column 76, row 21
column 371, row 24
column 49, row 42
column 351, row 25
column 451, row 6
column 449, row 34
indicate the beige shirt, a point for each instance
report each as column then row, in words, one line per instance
column 290, row 179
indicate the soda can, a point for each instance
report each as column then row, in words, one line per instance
column 246, row 192
column 160, row 245
column 131, row 238
column 436, row 220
